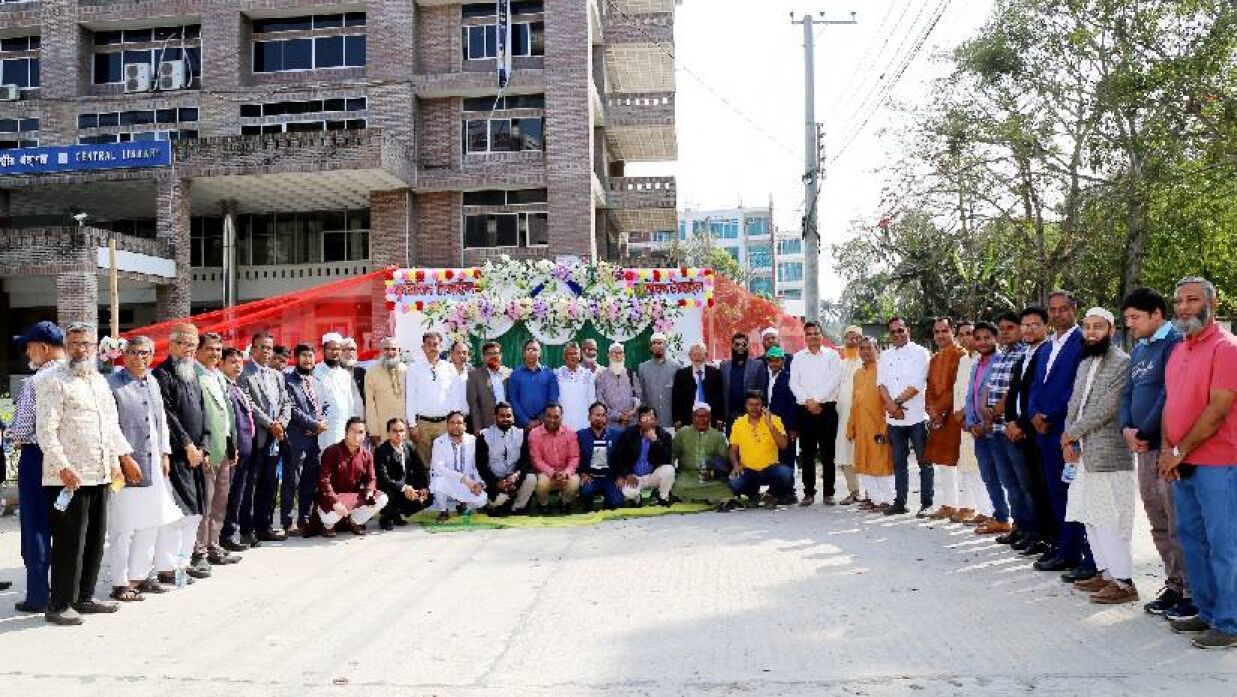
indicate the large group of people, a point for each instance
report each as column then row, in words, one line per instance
column 1036, row 430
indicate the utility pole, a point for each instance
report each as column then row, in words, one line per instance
column 812, row 137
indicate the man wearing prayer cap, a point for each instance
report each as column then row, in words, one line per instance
column 656, row 378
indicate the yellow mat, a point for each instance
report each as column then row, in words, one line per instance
column 481, row 521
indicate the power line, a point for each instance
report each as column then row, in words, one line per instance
column 855, row 82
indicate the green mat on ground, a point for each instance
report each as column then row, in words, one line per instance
column 481, row 521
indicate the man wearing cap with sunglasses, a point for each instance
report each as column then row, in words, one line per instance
column 43, row 345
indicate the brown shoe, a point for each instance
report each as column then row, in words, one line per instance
column 355, row 528
column 979, row 519
column 312, row 527
column 993, row 527
column 963, row 515
column 944, row 513
column 1116, row 594
column 1094, row 584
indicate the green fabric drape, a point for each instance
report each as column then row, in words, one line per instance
column 637, row 350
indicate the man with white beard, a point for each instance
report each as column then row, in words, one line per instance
column 338, row 387
column 384, row 391
column 79, row 433
column 189, row 435
column 136, row 513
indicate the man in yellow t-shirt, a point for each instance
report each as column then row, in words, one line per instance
column 755, row 439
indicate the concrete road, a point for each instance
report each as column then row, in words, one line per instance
column 819, row 601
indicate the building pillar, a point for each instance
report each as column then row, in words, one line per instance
column 77, row 298
column 172, row 300
column 391, row 243
column 569, row 120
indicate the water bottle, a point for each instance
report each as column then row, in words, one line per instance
column 62, row 501
column 273, row 449
column 182, row 571
column 1069, row 472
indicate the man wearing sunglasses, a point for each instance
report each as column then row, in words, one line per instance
column 903, row 378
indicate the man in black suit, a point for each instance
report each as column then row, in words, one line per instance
column 401, row 476
column 693, row 383
column 1019, row 429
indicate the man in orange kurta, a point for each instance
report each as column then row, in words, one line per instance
column 944, row 432
column 867, row 430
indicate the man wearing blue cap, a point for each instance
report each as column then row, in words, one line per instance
column 43, row 345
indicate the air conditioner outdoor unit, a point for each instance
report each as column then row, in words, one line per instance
column 172, row 75
column 137, row 77
column 9, row 93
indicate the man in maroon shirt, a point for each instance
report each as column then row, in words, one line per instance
column 347, row 485
column 1199, row 454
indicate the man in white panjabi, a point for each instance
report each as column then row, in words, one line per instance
column 576, row 388
column 338, row 390
column 843, row 447
column 454, row 479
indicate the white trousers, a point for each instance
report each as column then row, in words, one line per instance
column 523, row 494
column 175, row 539
column 879, row 489
column 972, row 494
column 131, row 554
column 662, row 478
column 359, row 515
column 1112, row 552
column 945, row 485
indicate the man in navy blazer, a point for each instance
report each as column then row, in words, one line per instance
column 774, row 383
column 739, row 375
column 1047, row 405
column 308, row 396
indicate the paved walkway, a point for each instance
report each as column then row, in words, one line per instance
column 820, row 601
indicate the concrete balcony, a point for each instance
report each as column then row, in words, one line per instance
column 641, row 127
column 479, row 83
column 506, row 170
column 641, row 205
column 257, row 282
column 639, row 52
column 53, row 250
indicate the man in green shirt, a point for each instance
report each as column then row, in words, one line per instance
column 702, row 461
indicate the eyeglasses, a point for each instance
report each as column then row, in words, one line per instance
column 898, row 331
column 141, row 353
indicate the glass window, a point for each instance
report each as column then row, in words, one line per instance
column 333, row 104
column 356, row 104
column 354, row 51
column 476, row 139
column 267, row 56
column 8, row 125
column 263, row 26
column 251, row 111
column 354, row 19
column 537, row 225
column 305, row 126
column 495, row 230
column 328, row 21
column 520, row 39
column 528, row 132
column 489, row 197
column 522, row 101
column 298, row 54
column 16, row 72
column 107, row 38
column 137, row 57
column 34, row 72
column 475, row 43
column 501, row 139
column 20, row 43
column 761, row 285
column 165, row 116
column 187, row 114
column 793, row 294
column 525, row 196
column 193, row 56
column 133, row 36
column 329, row 52
column 337, row 125
column 109, row 119
column 251, row 130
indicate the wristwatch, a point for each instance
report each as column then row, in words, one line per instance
column 1178, row 453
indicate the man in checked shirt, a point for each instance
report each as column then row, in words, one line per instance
column 43, row 345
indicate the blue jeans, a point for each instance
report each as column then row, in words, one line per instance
column 36, row 525
column 779, row 478
column 985, row 453
column 903, row 439
column 1011, row 465
column 603, row 487
column 1208, row 537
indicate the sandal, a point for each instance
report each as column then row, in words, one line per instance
column 126, row 594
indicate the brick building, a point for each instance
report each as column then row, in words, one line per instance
column 316, row 140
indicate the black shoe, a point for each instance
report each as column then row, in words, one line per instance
column 399, row 521
column 1053, row 564
column 198, row 567
column 272, row 536
column 1166, row 600
column 787, row 500
column 442, row 517
column 896, row 510
column 29, row 609
column 1022, row 543
column 1008, row 538
column 386, row 524
column 67, row 617
column 250, row 540
column 233, row 546
column 218, row 557
column 1081, row 573
column 94, row 607
column 1190, row 625
column 1183, row 610
column 5, row 585
column 1036, row 548
column 924, row 511
column 1048, row 555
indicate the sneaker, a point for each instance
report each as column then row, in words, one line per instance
column 1116, row 593
column 1214, row 639
column 1185, row 609
column 1166, row 600
column 1192, row 625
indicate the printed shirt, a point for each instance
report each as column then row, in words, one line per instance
column 1000, row 377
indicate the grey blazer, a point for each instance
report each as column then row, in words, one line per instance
column 480, row 396
column 268, row 393
column 132, row 399
column 1097, row 423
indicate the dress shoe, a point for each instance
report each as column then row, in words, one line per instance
column 95, row 607
column 895, row 510
column 807, row 500
column 1081, row 573
column 923, row 511
column 168, row 578
column 1091, row 585
column 943, row 513
column 1036, row 549
column 355, row 528
column 67, row 617
column 962, row 515
column 1053, row 564
column 28, row 609
column 1166, row 600
column 1050, row 554
column 250, row 540
column 882, row 507
column 233, row 546
column 292, row 530
column 1191, row 625
column 828, row 501
column 993, row 527
column 1214, row 639
column 386, row 524
column 272, row 536
column 400, row 522
column 1116, row 593
column 442, row 517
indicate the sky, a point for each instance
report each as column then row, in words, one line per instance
column 740, row 93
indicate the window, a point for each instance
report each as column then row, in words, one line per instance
column 515, row 101
column 506, row 230
column 334, row 42
column 663, row 235
column 790, row 271
column 760, row 256
column 791, row 294
column 302, row 238
column 502, row 197
column 305, row 127
column 139, row 117
column 18, row 125
column 791, row 246
column 763, row 286
column 14, row 144
column 489, row 9
column 682, row 229
column 19, row 61
column 296, row 108
column 480, row 41
column 152, row 46
column 503, row 135
column 724, row 229
column 757, row 226
column 205, row 242
column 304, row 116
column 137, row 136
